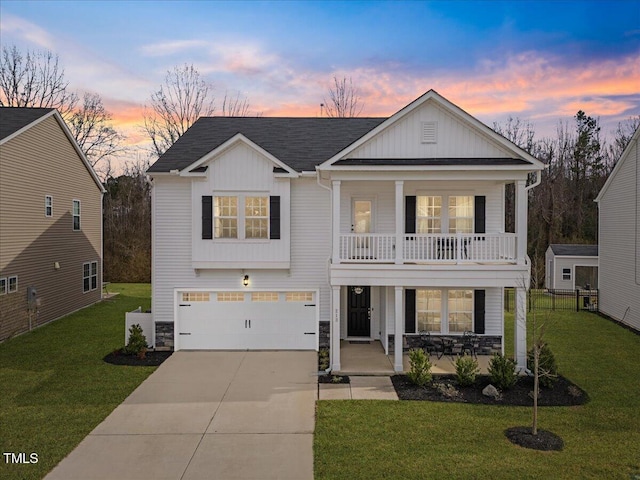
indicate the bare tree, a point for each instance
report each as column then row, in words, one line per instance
column 235, row 106
column 181, row 100
column 34, row 79
column 344, row 99
column 91, row 126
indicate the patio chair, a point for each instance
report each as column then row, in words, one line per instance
column 470, row 343
column 427, row 344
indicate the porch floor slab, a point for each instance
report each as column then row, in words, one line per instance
column 358, row 359
column 361, row 388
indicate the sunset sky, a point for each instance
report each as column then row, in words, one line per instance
column 538, row 60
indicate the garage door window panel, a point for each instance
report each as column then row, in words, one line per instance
column 264, row 297
column 230, row 297
column 299, row 297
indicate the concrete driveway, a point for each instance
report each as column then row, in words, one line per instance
column 208, row 415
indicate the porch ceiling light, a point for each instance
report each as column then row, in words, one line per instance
column 245, row 280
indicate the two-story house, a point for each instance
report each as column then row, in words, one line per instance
column 50, row 221
column 288, row 233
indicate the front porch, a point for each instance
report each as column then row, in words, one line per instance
column 368, row 358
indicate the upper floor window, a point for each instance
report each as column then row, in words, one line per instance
column 225, row 212
column 76, row 214
column 433, row 217
column 3, row 286
column 48, row 206
column 256, row 217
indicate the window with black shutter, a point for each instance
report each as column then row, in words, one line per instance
column 207, row 217
column 410, row 310
column 478, row 311
column 480, row 214
column 274, row 218
column 410, row 214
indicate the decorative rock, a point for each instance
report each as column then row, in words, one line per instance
column 490, row 391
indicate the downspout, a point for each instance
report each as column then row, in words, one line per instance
column 537, row 182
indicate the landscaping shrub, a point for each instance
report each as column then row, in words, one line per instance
column 137, row 344
column 547, row 366
column 323, row 359
column 466, row 370
column 502, row 371
column 420, row 367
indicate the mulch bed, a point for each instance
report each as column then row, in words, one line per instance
column 152, row 359
column 543, row 440
column 563, row 393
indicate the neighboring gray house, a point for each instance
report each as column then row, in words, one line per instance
column 571, row 266
column 50, row 221
column 619, row 233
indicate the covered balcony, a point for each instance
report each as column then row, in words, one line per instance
column 427, row 248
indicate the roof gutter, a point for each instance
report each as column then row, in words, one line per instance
column 536, row 183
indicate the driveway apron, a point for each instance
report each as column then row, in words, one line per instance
column 208, row 415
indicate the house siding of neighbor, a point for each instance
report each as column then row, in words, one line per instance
column 571, row 266
column 43, row 178
column 619, row 239
column 296, row 233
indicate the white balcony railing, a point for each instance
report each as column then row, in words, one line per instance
column 429, row 248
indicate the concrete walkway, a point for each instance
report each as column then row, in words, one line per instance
column 360, row 388
column 208, row 415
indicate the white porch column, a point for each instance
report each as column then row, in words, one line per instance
column 521, row 221
column 520, row 328
column 335, row 218
column 398, row 338
column 334, row 331
column 399, row 221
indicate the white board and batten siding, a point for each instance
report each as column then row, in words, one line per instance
column 453, row 138
column 241, row 171
column 619, row 240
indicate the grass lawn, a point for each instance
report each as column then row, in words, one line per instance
column 421, row 440
column 54, row 386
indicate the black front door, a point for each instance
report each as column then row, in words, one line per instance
column 359, row 307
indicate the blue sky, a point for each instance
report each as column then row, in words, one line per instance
column 537, row 60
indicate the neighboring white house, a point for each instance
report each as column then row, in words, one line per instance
column 619, row 239
column 291, row 233
column 571, row 266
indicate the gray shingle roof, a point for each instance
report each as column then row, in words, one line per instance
column 575, row 250
column 13, row 119
column 301, row 143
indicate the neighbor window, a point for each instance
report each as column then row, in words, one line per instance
column 3, row 286
column 13, row 284
column 256, row 217
column 566, row 274
column 444, row 311
column 48, row 206
column 89, row 276
column 76, row 214
column 225, row 212
column 429, row 308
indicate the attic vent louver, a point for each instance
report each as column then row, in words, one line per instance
column 429, row 132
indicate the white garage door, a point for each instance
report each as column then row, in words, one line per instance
column 274, row 320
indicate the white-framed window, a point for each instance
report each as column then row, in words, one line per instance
column 76, row 215
column 195, row 296
column 264, row 297
column 444, row 213
column 256, row 217
column 241, row 217
column 444, row 311
column 460, row 310
column 225, row 214
column 429, row 214
column 429, row 310
column 48, row 206
column 566, row 274
column 460, row 214
column 89, row 276
column 12, row 284
column 230, row 296
column 3, row 286
column 299, row 297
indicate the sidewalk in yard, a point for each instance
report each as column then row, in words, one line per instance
column 360, row 388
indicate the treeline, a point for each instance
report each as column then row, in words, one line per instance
column 562, row 208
